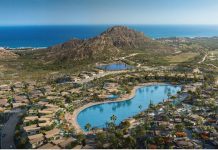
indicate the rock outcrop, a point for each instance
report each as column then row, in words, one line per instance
column 6, row 54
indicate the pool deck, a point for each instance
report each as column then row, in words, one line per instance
column 73, row 117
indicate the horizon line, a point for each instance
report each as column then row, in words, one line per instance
column 115, row 24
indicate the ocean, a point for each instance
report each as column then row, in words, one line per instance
column 45, row 36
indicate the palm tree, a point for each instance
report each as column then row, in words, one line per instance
column 113, row 118
column 110, row 126
column 88, row 127
column 179, row 127
column 151, row 104
column 130, row 142
column 70, row 108
column 10, row 101
column 168, row 94
column 140, row 107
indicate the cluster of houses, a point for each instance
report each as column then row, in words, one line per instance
column 119, row 86
column 195, row 74
column 203, row 118
column 173, row 40
column 39, row 125
column 6, row 99
column 84, row 75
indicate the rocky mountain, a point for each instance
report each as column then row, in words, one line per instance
column 122, row 37
column 108, row 44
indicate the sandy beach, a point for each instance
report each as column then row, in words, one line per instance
column 73, row 118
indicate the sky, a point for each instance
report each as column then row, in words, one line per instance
column 74, row 12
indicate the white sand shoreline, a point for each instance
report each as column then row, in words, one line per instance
column 124, row 98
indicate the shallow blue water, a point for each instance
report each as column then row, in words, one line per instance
column 115, row 67
column 44, row 36
column 98, row 115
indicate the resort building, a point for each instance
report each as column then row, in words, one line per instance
column 66, row 142
column 52, row 134
column 84, row 76
column 21, row 99
column 49, row 146
column 3, row 102
column 45, row 124
column 36, row 140
column 197, row 71
column 18, row 105
column 31, row 130
column 75, row 79
column 5, row 88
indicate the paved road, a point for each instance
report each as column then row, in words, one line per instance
column 7, row 136
column 130, row 55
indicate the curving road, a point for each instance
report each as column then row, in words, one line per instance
column 7, row 135
column 204, row 58
column 100, row 75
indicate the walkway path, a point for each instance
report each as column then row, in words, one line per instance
column 129, row 55
column 7, row 136
column 204, row 58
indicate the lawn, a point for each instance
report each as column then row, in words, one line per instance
column 214, row 52
column 182, row 57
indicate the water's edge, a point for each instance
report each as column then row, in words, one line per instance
column 76, row 112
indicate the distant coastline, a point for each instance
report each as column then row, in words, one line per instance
column 23, row 48
column 37, row 37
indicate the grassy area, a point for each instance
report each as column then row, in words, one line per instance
column 214, row 52
column 33, row 69
column 211, row 43
column 149, row 58
column 182, row 57
column 29, row 66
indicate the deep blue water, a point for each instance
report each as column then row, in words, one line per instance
column 115, row 67
column 44, row 36
column 98, row 115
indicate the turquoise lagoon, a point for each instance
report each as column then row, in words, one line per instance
column 99, row 115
